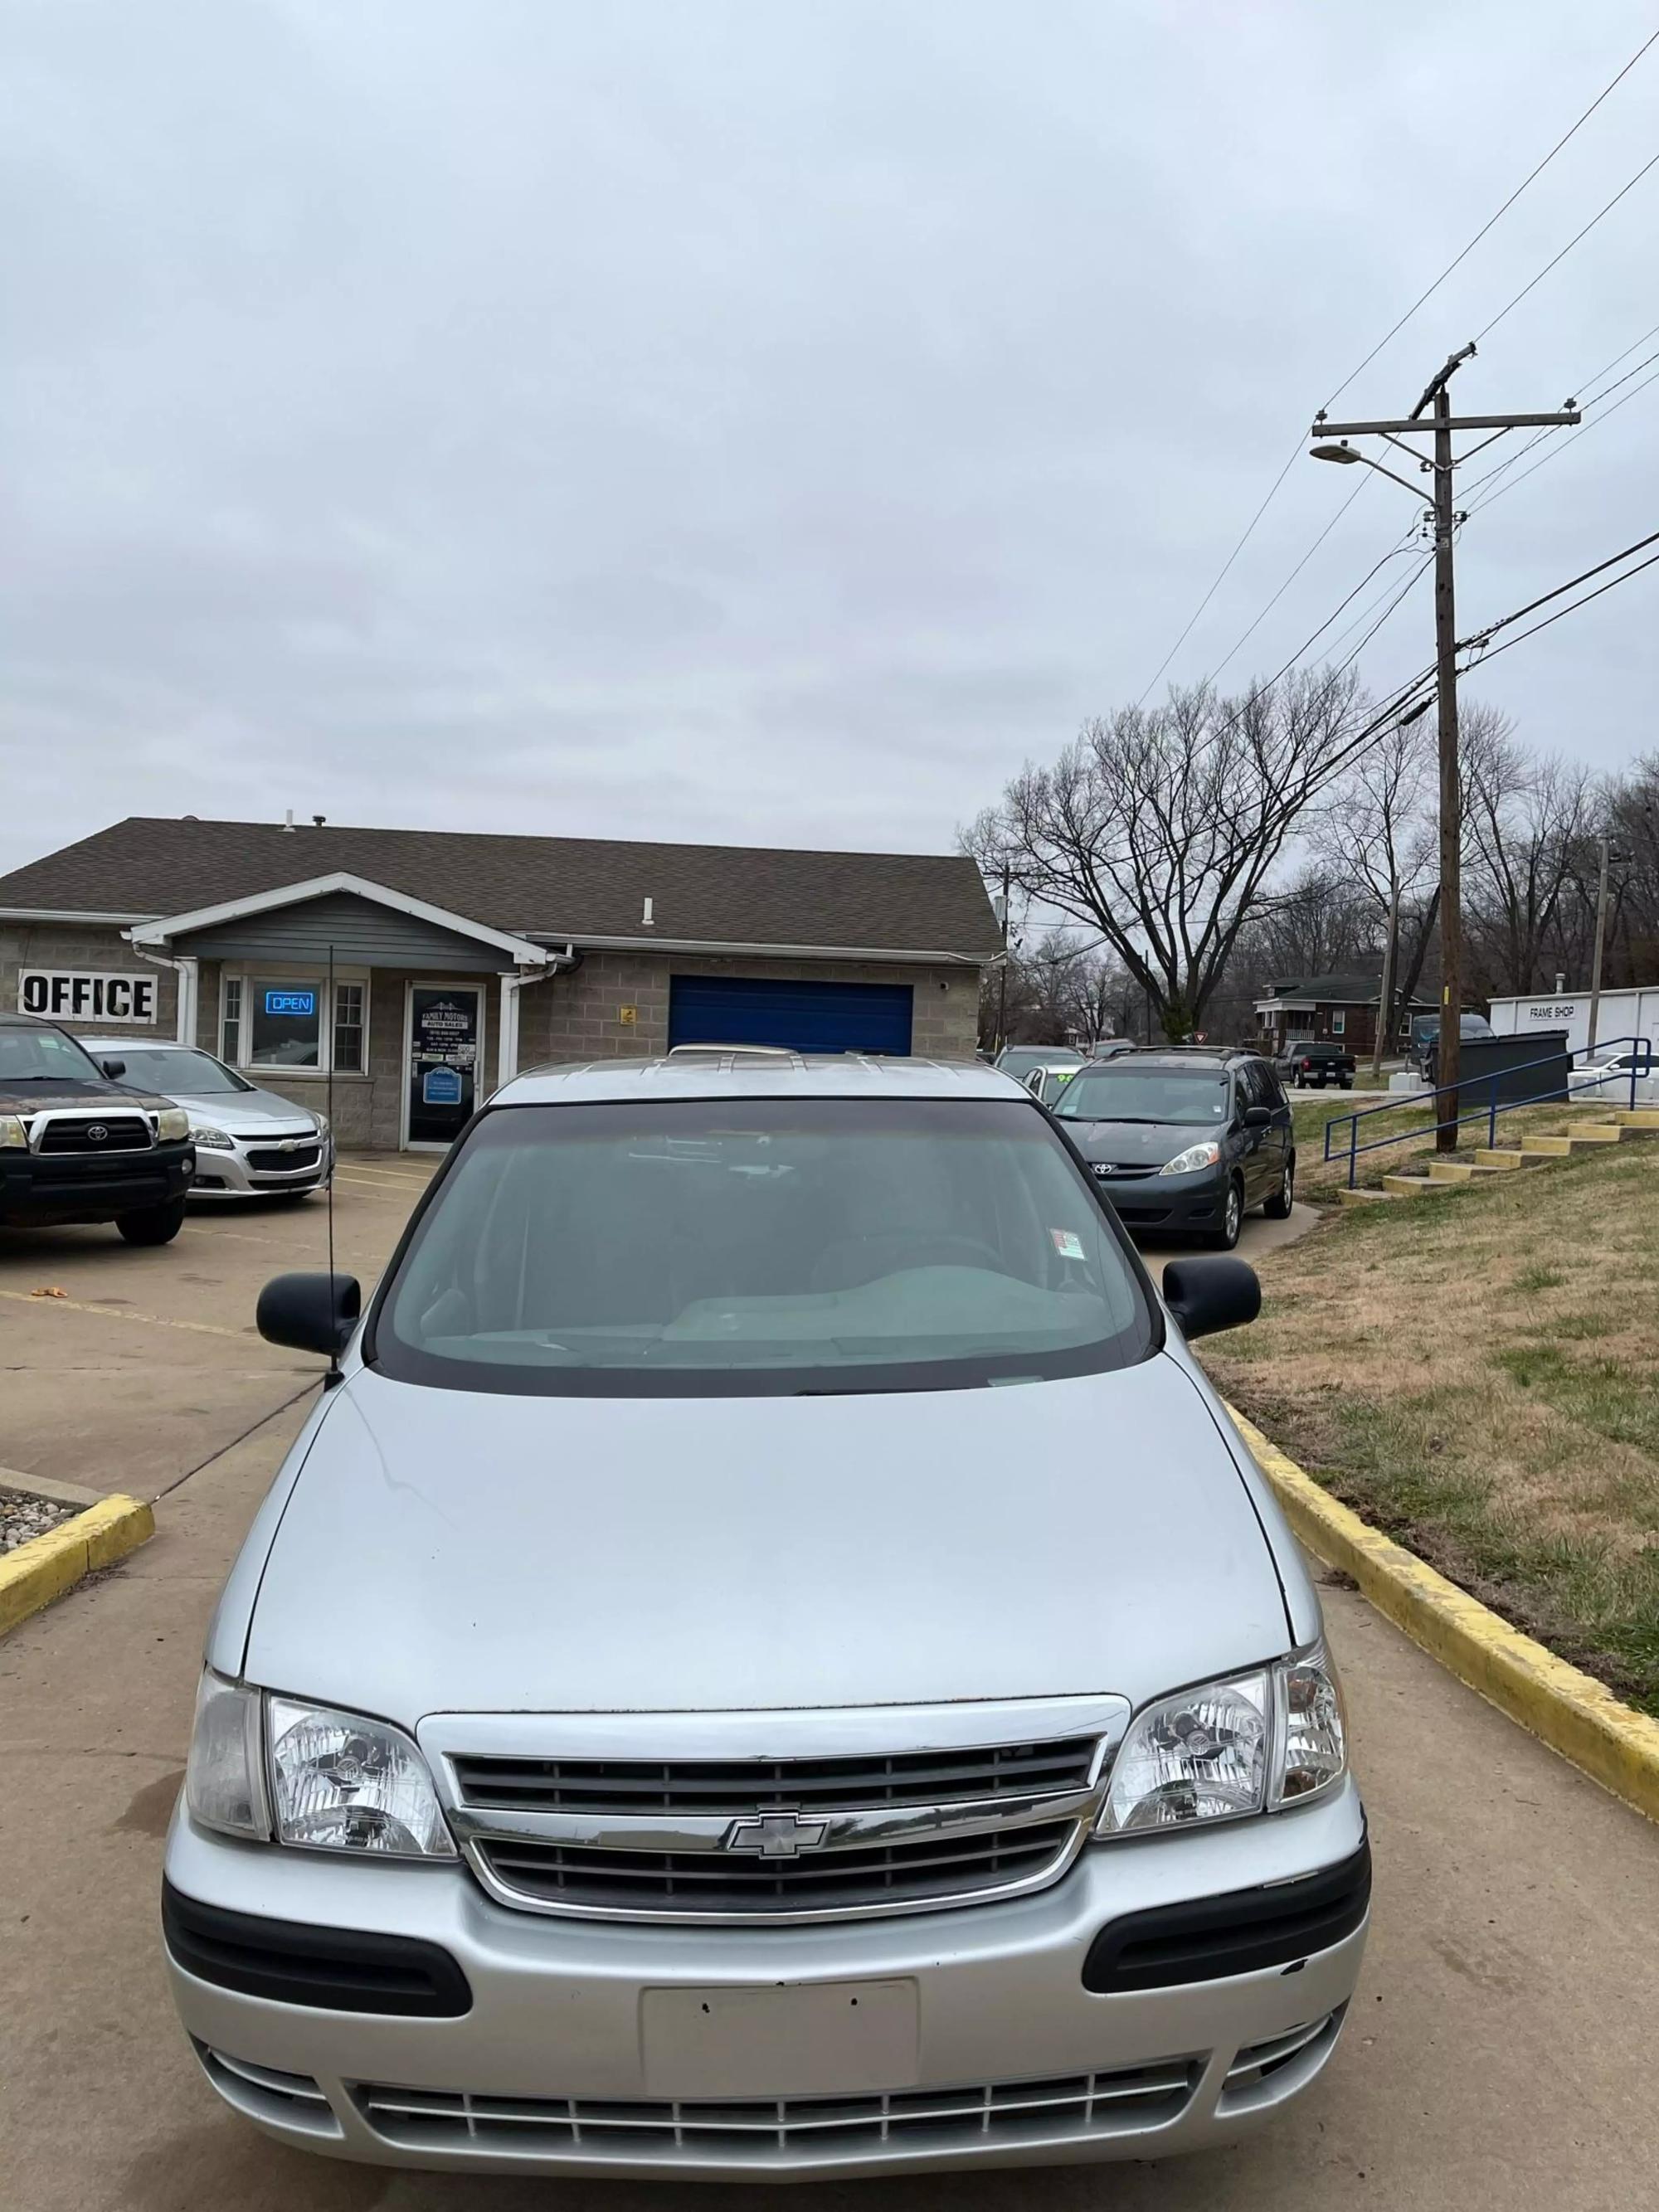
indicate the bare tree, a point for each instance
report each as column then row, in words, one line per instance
column 1526, row 825
column 1159, row 831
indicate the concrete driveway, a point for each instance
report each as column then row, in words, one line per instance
column 1497, row 2055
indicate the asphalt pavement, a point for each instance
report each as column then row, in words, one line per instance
column 1498, row 2054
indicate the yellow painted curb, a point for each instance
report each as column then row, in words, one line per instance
column 1569, row 1710
column 47, row 1566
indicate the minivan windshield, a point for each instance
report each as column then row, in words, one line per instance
column 1117, row 1090
column 760, row 1245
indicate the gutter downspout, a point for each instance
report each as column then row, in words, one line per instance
column 513, row 980
column 186, row 973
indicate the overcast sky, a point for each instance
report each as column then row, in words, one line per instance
column 769, row 421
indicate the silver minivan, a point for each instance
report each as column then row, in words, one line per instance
column 768, row 1659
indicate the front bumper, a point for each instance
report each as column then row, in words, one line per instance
column 553, row 2068
column 247, row 1169
column 55, row 1189
column 1183, row 1204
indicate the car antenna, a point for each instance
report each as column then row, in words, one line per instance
column 335, row 1374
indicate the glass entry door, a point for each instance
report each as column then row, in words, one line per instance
column 444, row 1024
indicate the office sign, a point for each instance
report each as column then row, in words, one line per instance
column 78, row 995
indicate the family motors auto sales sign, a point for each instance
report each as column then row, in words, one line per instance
column 75, row 994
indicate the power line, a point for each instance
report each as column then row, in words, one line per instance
column 1611, row 584
column 1647, row 165
column 1422, row 298
column 1399, row 598
column 1560, row 447
column 1291, row 578
column 1477, row 639
column 1249, row 532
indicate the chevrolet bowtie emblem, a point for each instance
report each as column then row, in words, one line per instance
column 776, row 1835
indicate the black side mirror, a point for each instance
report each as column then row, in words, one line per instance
column 1207, row 1294
column 115, row 1069
column 310, row 1313
column 1258, row 1117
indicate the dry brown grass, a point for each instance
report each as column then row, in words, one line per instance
column 1478, row 1374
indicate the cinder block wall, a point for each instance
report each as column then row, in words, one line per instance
column 579, row 1016
column 96, row 947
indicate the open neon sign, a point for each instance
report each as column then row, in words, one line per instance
column 291, row 1002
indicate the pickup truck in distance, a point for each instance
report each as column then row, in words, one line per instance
column 1311, row 1063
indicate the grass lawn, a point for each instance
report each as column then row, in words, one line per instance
column 1478, row 1375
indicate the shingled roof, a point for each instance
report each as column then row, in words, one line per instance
column 556, row 887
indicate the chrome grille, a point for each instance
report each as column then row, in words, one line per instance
column 782, row 2131
column 738, row 1786
column 834, row 1880
column 841, row 1813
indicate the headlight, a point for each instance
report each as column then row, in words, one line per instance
column 224, row 1781
column 1227, row 1750
column 214, row 1140
column 12, row 1132
column 321, row 1119
column 1195, row 1156
column 343, row 1783
column 172, row 1125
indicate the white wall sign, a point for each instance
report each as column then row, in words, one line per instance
column 74, row 994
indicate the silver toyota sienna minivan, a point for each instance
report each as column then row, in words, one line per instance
column 768, row 1659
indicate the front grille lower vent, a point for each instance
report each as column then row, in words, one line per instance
column 779, row 2132
column 742, row 1786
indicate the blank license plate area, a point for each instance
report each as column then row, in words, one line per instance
column 802, row 2039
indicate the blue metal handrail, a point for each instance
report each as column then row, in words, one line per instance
column 1642, row 1065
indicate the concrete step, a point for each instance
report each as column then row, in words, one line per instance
column 1347, row 1197
column 1451, row 1172
column 1597, row 1132
column 1502, row 1159
column 1554, row 1148
column 1405, row 1186
column 1637, row 1117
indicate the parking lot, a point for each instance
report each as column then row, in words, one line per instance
column 1498, row 2053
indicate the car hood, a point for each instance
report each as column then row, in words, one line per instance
column 444, row 1552
column 239, row 1109
column 1136, row 1144
column 38, row 1098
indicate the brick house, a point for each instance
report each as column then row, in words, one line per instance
column 418, row 968
column 1337, row 1009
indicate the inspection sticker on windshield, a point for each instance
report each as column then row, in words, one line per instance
column 1067, row 1244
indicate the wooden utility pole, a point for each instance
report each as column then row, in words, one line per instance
column 1444, row 518
column 1385, row 995
column 1450, row 1041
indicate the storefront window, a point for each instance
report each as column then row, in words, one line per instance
column 230, row 1027
column 348, row 1027
column 286, row 1028
column 276, row 1021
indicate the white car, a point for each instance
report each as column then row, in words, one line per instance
column 250, row 1143
column 1606, row 1079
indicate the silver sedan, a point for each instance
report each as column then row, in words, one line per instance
column 249, row 1142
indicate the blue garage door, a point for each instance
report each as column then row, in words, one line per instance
column 810, row 1017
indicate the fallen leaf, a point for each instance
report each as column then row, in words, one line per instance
column 52, row 1292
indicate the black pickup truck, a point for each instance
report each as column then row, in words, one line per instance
column 1309, row 1064
column 77, row 1145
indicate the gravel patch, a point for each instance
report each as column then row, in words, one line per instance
column 23, row 1518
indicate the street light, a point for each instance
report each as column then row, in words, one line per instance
column 1344, row 452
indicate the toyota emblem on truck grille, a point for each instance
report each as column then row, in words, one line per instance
column 776, row 1835
column 96, row 1132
